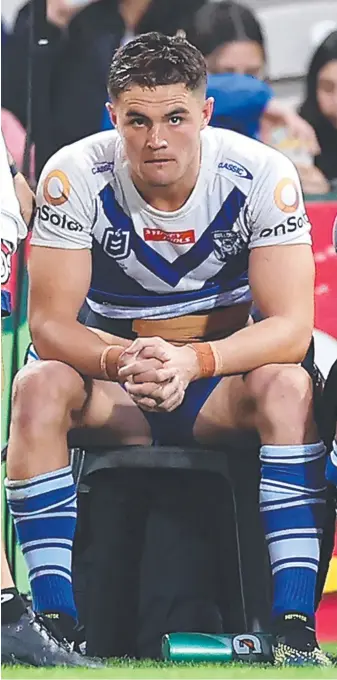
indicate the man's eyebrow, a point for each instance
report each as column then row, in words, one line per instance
column 135, row 114
column 175, row 112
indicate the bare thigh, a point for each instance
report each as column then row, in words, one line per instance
column 51, row 399
column 110, row 415
column 227, row 415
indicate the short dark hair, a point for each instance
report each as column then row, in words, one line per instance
column 216, row 24
column 324, row 53
column 154, row 59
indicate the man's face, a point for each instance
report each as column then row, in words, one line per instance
column 245, row 57
column 161, row 128
column 327, row 91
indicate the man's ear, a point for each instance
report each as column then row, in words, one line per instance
column 207, row 112
column 112, row 114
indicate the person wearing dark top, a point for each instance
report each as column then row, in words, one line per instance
column 320, row 105
column 231, row 38
column 78, row 53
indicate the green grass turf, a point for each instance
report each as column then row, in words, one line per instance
column 171, row 672
column 161, row 671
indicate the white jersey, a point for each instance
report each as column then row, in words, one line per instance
column 147, row 263
column 12, row 224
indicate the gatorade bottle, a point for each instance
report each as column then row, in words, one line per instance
column 226, row 648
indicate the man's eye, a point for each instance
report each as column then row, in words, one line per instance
column 137, row 122
column 175, row 120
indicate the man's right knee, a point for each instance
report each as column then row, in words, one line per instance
column 44, row 395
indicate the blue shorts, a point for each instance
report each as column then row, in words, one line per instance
column 170, row 429
column 176, row 428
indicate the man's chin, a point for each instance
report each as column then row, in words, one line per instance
column 158, row 181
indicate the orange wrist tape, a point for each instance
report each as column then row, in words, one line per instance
column 206, row 358
column 117, row 349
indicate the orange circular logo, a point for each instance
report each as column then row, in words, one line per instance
column 56, row 187
column 286, row 195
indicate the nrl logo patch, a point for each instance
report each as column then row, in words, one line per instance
column 227, row 244
column 116, row 243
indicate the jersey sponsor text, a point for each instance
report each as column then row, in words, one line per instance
column 292, row 224
column 45, row 214
column 176, row 237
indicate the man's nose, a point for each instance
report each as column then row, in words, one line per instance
column 156, row 139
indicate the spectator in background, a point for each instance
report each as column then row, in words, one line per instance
column 82, row 37
column 320, row 110
column 231, row 38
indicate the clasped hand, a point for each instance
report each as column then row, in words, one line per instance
column 155, row 373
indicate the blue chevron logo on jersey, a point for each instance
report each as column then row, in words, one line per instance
column 111, row 285
column 169, row 272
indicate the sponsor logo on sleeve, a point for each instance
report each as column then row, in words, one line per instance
column 179, row 238
column 286, row 195
column 236, row 168
column 104, row 166
column 56, row 187
column 291, row 225
column 46, row 214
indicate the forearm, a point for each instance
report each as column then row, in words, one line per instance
column 274, row 340
column 73, row 344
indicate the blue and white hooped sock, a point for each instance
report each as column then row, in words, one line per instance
column 292, row 503
column 44, row 513
column 331, row 465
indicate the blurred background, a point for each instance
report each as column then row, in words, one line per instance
column 292, row 29
column 50, row 66
column 64, row 58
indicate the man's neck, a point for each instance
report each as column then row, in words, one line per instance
column 169, row 198
column 132, row 11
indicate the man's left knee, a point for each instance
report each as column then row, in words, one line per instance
column 278, row 389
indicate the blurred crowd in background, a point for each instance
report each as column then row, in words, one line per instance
column 293, row 110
